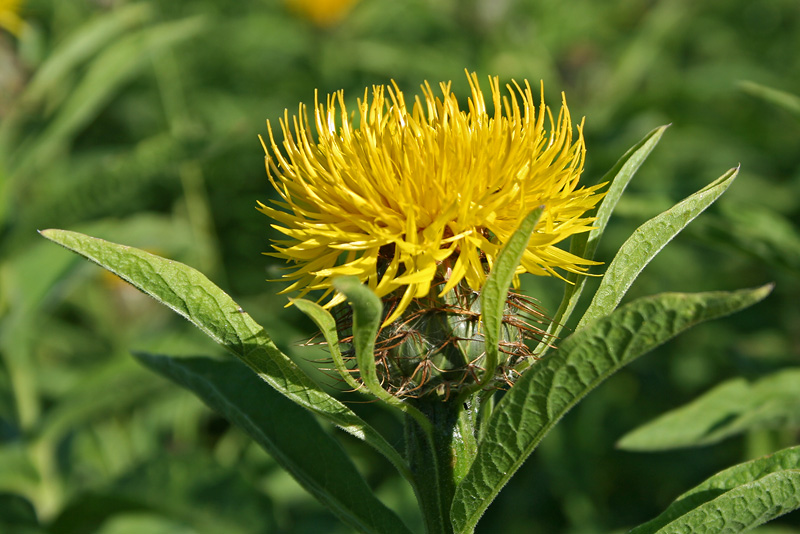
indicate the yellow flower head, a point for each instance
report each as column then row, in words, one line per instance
column 425, row 195
column 9, row 16
column 322, row 13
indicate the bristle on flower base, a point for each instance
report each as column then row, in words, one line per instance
column 436, row 349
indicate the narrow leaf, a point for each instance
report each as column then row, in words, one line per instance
column 327, row 326
column 736, row 499
column 788, row 101
column 288, row 432
column 555, row 384
column 495, row 291
column 731, row 408
column 584, row 245
column 646, row 242
column 190, row 294
column 367, row 316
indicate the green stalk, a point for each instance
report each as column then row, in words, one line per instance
column 437, row 472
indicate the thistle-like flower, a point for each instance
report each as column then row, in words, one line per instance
column 417, row 200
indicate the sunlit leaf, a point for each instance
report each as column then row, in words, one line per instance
column 736, row 499
column 544, row 393
column 291, row 435
column 729, row 409
column 495, row 292
column 190, row 294
column 646, row 242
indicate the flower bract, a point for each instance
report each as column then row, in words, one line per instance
column 418, row 196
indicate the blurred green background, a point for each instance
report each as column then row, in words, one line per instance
column 138, row 122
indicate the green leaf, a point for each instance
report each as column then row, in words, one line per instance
column 327, row 326
column 544, row 393
column 288, row 432
column 584, row 245
column 788, row 101
column 736, row 499
column 495, row 290
column 646, row 242
column 190, row 294
column 729, row 409
column 367, row 316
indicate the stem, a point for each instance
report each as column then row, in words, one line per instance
column 438, row 463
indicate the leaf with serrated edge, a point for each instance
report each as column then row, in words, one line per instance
column 550, row 388
column 645, row 242
column 190, row 294
column 733, row 500
column 290, row 434
column 584, row 245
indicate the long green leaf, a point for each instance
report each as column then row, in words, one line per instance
column 731, row 408
column 555, row 384
column 646, row 242
column 584, row 245
column 736, row 499
column 327, row 326
column 495, row 290
column 788, row 101
column 367, row 316
column 193, row 296
column 288, row 432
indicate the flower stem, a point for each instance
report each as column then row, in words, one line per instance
column 438, row 463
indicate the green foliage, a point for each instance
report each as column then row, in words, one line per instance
column 645, row 243
column 736, row 499
column 542, row 396
column 190, row 294
column 732, row 408
column 288, row 432
column 137, row 122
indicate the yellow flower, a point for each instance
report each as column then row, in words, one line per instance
column 323, row 13
column 9, row 16
column 414, row 197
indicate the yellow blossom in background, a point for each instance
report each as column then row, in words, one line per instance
column 9, row 16
column 322, row 13
column 411, row 197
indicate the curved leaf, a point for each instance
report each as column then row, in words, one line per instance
column 327, row 326
column 643, row 245
column 288, row 432
column 367, row 312
column 190, row 294
column 584, row 245
column 555, row 384
column 731, row 408
column 736, row 499
column 495, row 291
